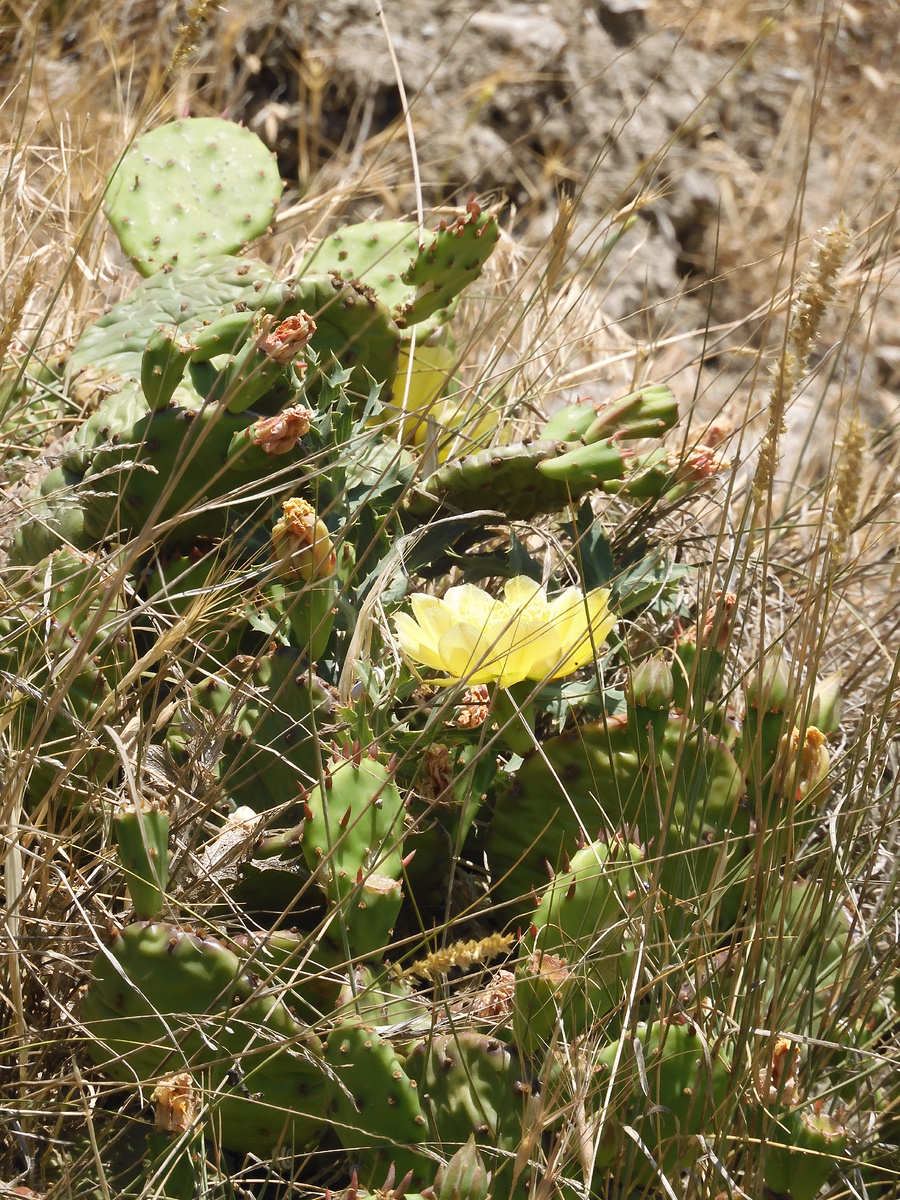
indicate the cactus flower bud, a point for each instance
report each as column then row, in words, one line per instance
column 825, row 712
column 769, row 690
column 301, row 545
column 464, row 1177
column 653, row 684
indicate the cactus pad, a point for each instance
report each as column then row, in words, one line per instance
column 190, row 189
column 591, row 781
column 417, row 282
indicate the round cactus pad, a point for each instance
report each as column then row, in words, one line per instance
column 189, row 189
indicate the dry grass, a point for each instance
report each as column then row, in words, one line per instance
column 803, row 528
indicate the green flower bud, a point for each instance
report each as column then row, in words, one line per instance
column 825, row 712
column 653, row 684
column 464, row 1177
column 769, row 690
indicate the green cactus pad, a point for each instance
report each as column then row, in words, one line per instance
column 377, row 1106
column 502, row 477
column 172, row 469
column 449, row 259
column 52, row 518
column 585, row 466
column 190, row 189
column 376, row 253
column 163, row 365
column 353, row 328
column 418, row 283
column 802, row 1153
column 592, row 780
column 142, row 837
column 669, row 1093
column 189, row 298
column 161, row 1000
column 470, row 1084
column 351, row 840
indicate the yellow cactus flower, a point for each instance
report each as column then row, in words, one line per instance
column 473, row 636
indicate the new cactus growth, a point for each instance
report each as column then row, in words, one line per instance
column 163, row 364
column 545, row 475
column 142, row 836
column 351, row 841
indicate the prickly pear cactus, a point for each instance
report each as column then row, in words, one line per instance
column 469, row 1085
column 161, row 999
column 578, row 954
column 803, row 1151
column 546, row 474
column 351, row 842
column 666, row 1082
column 685, row 803
column 190, row 189
column 417, row 281
column 379, row 1116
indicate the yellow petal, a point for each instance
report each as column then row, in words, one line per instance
column 434, row 616
column 459, row 650
column 414, row 645
column 471, row 603
column 522, row 591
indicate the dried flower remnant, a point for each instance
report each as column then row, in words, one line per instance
column 778, row 1084
column 177, row 1102
column 472, row 635
column 284, row 341
column 495, row 1003
column 699, row 464
column 280, row 434
column 438, row 775
column 804, row 764
column 474, row 708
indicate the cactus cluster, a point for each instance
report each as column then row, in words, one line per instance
column 247, row 491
